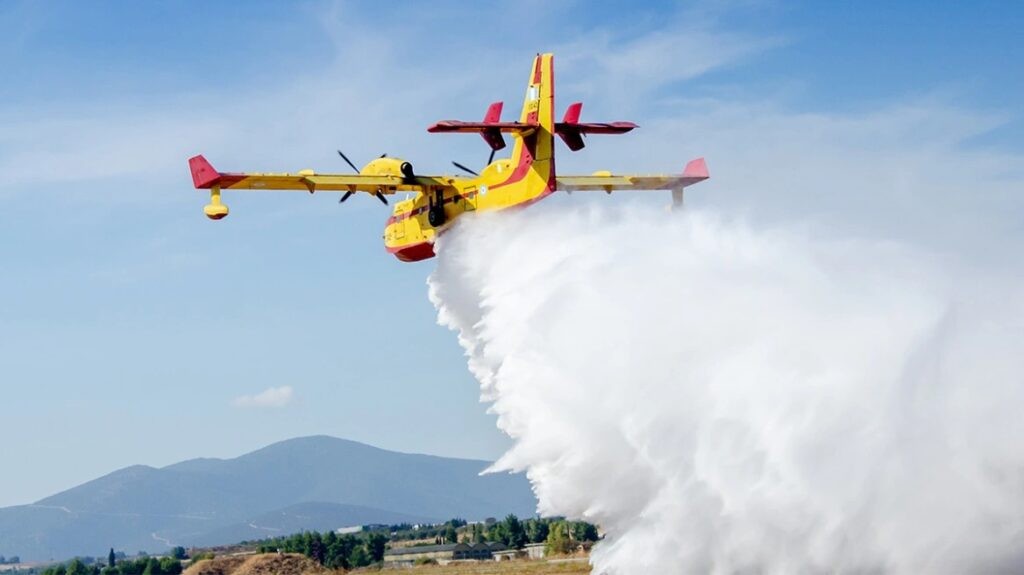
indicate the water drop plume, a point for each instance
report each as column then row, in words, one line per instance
column 720, row 398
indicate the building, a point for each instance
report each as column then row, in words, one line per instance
column 443, row 553
column 530, row 551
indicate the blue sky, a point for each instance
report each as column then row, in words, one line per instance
column 130, row 325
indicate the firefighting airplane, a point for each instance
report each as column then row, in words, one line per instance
column 437, row 201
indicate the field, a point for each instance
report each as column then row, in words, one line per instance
column 500, row 568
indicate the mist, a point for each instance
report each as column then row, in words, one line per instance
column 724, row 398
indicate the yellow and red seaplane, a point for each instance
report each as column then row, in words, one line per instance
column 437, row 201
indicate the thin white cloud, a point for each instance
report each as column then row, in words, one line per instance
column 137, row 140
column 273, row 397
column 908, row 169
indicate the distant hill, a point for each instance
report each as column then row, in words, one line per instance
column 306, row 483
column 316, row 516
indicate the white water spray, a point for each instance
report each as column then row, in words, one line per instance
column 724, row 400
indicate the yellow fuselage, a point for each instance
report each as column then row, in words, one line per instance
column 527, row 176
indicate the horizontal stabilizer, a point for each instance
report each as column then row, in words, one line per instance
column 460, row 126
column 491, row 129
column 571, row 130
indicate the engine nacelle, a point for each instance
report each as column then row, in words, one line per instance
column 389, row 167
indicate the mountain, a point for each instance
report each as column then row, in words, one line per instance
column 306, row 483
column 313, row 515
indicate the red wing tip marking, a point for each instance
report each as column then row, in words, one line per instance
column 696, row 169
column 203, row 174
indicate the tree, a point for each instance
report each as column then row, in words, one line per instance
column 450, row 535
column 170, row 566
column 376, row 544
column 583, row 531
column 14, row 560
column 359, row 557
column 514, row 534
column 338, row 552
column 76, row 567
column 537, row 530
column 497, row 531
column 152, row 567
column 317, row 551
column 558, row 542
column 111, row 558
column 306, row 544
column 179, row 553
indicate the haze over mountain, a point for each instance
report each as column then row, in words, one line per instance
column 305, row 483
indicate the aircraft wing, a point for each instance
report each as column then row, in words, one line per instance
column 205, row 177
column 695, row 171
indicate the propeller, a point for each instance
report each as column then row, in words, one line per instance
column 348, row 161
column 490, row 160
column 464, row 168
column 349, row 193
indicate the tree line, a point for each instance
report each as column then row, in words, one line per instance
column 117, row 564
column 331, row 550
column 350, row 551
column 353, row 550
column 559, row 535
column 140, row 566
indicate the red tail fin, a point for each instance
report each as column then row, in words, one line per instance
column 493, row 113
column 493, row 137
column 572, row 113
column 203, row 174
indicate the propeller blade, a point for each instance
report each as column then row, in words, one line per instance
column 381, row 197
column 347, row 195
column 490, row 160
column 349, row 162
column 464, row 168
column 384, row 155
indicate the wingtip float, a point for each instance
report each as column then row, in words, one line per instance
column 527, row 176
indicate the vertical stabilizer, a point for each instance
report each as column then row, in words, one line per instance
column 534, row 150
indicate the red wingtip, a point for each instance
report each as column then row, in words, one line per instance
column 203, row 174
column 572, row 113
column 696, row 169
